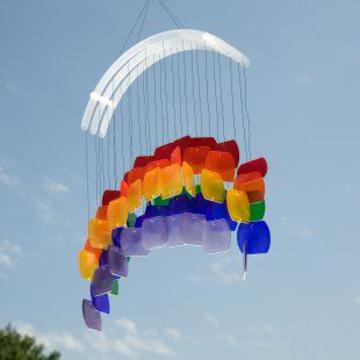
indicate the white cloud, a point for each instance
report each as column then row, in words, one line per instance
column 9, row 254
column 262, row 329
column 211, row 319
column 6, row 177
column 127, row 325
column 303, row 80
column 173, row 333
column 54, row 187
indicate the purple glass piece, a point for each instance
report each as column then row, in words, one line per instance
column 180, row 204
column 155, row 232
column 102, row 303
column 102, row 281
column 175, row 234
column 117, row 262
column 116, row 236
column 91, row 316
column 131, row 243
column 191, row 226
column 103, row 258
column 216, row 236
column 200, row 204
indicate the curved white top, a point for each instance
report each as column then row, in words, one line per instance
column 125, row 70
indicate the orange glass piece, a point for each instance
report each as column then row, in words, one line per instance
column 152, row 184
column 109, row 195
column 88, row 247
column 231, row 147
column 212, row 186
column 238, row 205
column 175, row 157
column 255, row 189
column 196, row 157
column 171, row 181
column 244, row 178
column 101, row 213
column 124, row 188
column 99, row 233
column 161, row 163
column 117, row 213
column 134, row 175
column 88, row 263
column 188, row 178
column 134, row 196
column 222, row 163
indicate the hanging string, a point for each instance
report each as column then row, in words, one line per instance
column 180, row 96
column 102, row 164
column 193, row 91
column 155, row 101
column 173, row 92
column 131, row 125
column 242, row 112
column 138, row 110
column 108, row 151
column 216, row 99
column 199, row 91
column 207, row 89
column 87, row 176
column 96, row 170
column 143, row 21
column 122, row 136
column 172, row 16
column 232, row 99
column 147, row 105
column 114, row 142
column 221, row 96
column 185, row 89
column 166, row 98
column 247, row 114
column 161, row 100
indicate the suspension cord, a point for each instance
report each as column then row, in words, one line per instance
column 177, row 22
column 247, row 114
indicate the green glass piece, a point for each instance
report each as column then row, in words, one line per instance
column 185, row 192
column 161, row 202
column 131, row 220
column 115, row 287
column 257, row 210
column 198, row 188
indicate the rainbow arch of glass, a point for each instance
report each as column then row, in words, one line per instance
column 194, row 192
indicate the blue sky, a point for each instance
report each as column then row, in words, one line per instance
column 300, row 301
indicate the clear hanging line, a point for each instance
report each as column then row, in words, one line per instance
column 108, row 154
column 232, row 99
column 143, row 21
column 185, row 89
column 193, row 91
column 166, row 98
column 87, row 175
column 122, row 137
column 173, row 92
column 221, row 95
column 242, row 112
column 180, row 95
column 139, row 112
column 199, row 91
column 147, row 106
column 177, row 22
column 96, row 170
column 114, row 143
column 216, row 99
column 247, row 114
column 155, row 101
column 161, row 100
column 207, row 90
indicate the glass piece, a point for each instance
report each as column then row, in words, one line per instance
column 202, row 141
column 141, row 161
column 88, row 247
column 101, row 213
column 198, row 188
column 99, row 233
column 155, row 232
column 231, row 147
column 161, row 202
column 117, row 212
column 116, row 236
column 244, row 178
column 175, row 234
column 115, row 287
column 221, row 163
column 200, row 204
column 109, row 195
column 180, row 204
column 124, row 189
column 88, row 262
column 91, row 316
column 191, row 226
column 238, row 205
column 195, row 157
column 102, row 281
column 171, row 181
column 216, row 236
column 101, row 303
column 188, row 178
column 156, row 210
column 103, row 260
column 255, row 236
column 259, row 165
column 254, row 186
column 152, row 184
column 131, row 243
column 131, row 220
column 212, row 186
column 117, row 262
column 134, row 196
column 161, row 163
column 134, row 175
column 175, row 157
column 139, row 221
column 257, row 210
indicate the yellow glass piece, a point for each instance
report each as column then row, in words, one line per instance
column 188, row 177
column 238, row 205
column 117, row 212
column 134, row 196
column 212, row 186
column 88, row 262
column 99, row 233
column 152, row 184
column 171, row 181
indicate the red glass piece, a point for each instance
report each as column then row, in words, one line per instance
column 161, row 163
column 231, row 147
column 175, row 157
column 259, row 165
column 196, row 157
column 244, row 178
column 221, row 163
column 203, row 141
column 165, row 151
column 88, row 247
column 109, row 195
column 101, row 213
column 135, row 174
column 124, row 188
column 143, row 161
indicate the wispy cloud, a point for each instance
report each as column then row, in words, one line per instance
column 173, row 333
column 211, row 319
column 296, row 228
column 54, row 187
column 9, row 254
column 7, row 178
column 303, row 80
column 262, row 329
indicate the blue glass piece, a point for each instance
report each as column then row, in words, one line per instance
column 101, row 303
column 104, row 258
column 116, row 236
column 200, row 204
column 255, row 236
column 215, row 211
column 156, row 210
column 139, row 221
column 180, row 205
